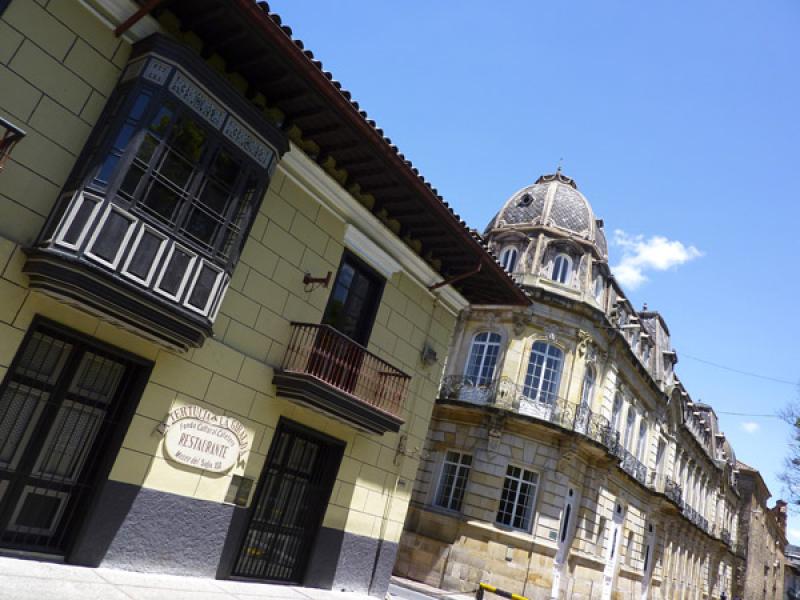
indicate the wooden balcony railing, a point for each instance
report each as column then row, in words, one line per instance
column 334, row 361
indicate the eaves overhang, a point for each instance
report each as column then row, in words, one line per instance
column 257, row 49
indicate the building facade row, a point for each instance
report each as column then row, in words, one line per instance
column 565, row 458
column 225, row 299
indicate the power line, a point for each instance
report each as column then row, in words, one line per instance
column 741, row 414
column 740, row 372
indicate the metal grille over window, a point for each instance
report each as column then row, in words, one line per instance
column 453, row 481
column 518, row 498
column 58, row 404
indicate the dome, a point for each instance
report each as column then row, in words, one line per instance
column 553, row 201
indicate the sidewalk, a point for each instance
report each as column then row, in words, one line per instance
column 428, row 590
column 32, row 580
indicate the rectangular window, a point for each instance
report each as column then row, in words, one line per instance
column 453, row 480
column 518, row 498
column 354, row 299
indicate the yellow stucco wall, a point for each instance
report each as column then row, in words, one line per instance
column 58, row 65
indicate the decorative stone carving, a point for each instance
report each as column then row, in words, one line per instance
column 584, row 342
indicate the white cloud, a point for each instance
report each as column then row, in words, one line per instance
column 656, row 253
column 750, row 426
column 794, row 536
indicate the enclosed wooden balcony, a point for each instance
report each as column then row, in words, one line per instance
column 327, row 370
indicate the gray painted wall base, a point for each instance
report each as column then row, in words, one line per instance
column 344, row 562
column 139, row 529
column 148, row 530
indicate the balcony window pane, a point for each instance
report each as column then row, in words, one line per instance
column 176, row 169
column 144, row 255
column 189, row 139
column 163, row 119
column 215, row 197
column 225, row 169
column 203, row 287
column 108, row 241
column 162, row 200
column 79, row 221
column 132, row 179
column 202, row 226
column 174, row 272
column 147, row 148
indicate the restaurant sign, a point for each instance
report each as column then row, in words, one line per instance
column 197, row 437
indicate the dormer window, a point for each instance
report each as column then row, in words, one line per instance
column 562, row 269
column 508, row 259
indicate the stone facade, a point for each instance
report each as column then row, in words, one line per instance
column 632, row 489
column 763, row 536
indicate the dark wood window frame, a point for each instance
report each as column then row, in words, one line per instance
column 367, row 321
column 160, row 254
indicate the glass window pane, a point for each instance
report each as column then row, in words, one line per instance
column 189, row 139
column 163, row 119
column 216, row 197
column 162, row 200
column 201, row 226
column 132, row 178
column 225, row 168
column 175, row 168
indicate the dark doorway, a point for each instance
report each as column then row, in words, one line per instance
column 354, row 299
column 289, row 504
column 62, row 405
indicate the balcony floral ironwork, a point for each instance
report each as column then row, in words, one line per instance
column 330, row 371
column 673, row 491
column 725, row 536
column 508, row 395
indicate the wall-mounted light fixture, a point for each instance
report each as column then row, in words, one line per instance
column 313, row 283
column 11, row 135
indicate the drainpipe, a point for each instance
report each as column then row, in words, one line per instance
column 143, row 11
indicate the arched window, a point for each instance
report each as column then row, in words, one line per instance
column 562, row 269
column 630, row 421
column 588, row 387
column 616, row 412
column 598, row 288
column 508, row 259
column 483, row 358
column 641, row 444
column 544, row 373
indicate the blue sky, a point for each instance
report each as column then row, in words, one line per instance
column 679, row 122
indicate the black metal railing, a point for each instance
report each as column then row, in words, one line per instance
column 673, row 491
column 725, row 536
column 333, row 358
column 632, row 465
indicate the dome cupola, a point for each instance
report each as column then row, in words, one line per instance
column 554, row 202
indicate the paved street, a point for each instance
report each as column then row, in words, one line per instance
column 33, row 580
